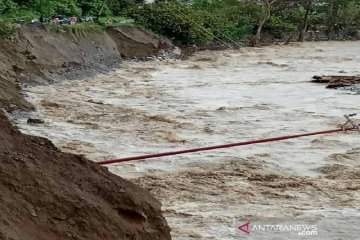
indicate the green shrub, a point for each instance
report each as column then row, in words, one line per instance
column 229, row 20
column 77, row 30
column 8, row 29
column 114, row 21
column 174, row 20
column 201, row 22
column 349, row 16
column 278, row 24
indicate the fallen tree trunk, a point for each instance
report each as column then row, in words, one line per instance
column 337, row 81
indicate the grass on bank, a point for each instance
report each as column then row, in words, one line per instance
column 115, row 21
column 9, row 27
column 78, row 30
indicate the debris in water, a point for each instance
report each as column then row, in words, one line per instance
column 337, row 81
column 35, row 121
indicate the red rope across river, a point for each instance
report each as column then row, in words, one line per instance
column 202, row 149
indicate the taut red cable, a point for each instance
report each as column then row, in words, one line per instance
column 157, row 155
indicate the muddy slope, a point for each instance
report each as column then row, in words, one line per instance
column 134, row 43
column 47, row 194
column 39, row 52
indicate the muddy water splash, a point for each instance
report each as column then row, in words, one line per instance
column 215, row 98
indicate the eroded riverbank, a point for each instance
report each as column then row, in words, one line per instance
column 214, row 98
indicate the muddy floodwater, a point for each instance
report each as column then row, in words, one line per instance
column 217, row 98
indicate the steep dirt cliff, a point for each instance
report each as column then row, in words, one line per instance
column 134, row 42
column 47, row 194
column 40, row 51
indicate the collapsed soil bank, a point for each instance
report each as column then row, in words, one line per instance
column 47, row 194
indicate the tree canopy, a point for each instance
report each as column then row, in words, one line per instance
column 203, row 21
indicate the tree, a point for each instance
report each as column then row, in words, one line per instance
column 308, row 4
column 341, row 14
column 122, row 7
column 94, row 7
column 264, row 15
column 7, row 5
column 48, row 7
column 349, row 15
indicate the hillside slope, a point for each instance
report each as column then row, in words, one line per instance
column 47, row 194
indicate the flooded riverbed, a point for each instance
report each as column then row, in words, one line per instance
column 217, row 98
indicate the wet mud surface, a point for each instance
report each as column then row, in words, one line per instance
column 215, row 98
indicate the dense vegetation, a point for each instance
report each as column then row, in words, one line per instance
column 27, row 9
column 199, row 21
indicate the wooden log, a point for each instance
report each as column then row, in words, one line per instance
column 337, row 81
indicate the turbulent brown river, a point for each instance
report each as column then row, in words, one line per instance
column 217, row 98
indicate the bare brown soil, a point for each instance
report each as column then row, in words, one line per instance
column 134, row 43
column 47, row 194
column 40, row 52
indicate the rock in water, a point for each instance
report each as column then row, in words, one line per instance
column 35, row 121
